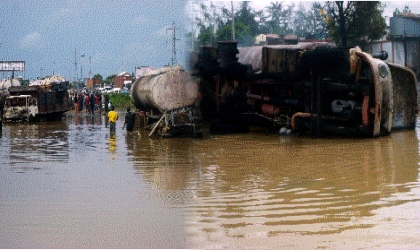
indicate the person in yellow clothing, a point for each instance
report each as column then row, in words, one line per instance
column 113, row 117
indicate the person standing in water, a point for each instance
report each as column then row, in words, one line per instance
column 106, row 101
column 113, row 117
column 92, row 103
column 129, row 120
column 76, row 104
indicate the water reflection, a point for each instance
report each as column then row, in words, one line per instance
column 112, row 142
column 218, row 188
column 167, row 163
column 247, row 185
column 36, row 142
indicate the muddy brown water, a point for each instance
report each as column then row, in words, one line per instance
column 70, row 184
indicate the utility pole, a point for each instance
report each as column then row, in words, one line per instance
column 233, row 23
column 75, row 65
column 174, row 39
column 81, row 67
column 90, row 67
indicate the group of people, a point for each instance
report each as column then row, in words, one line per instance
column 91, row 102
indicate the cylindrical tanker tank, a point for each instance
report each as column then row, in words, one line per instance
column 164, row 89
column 7, row 83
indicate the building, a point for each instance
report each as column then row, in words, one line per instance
column 267, row 39
column 122, row 80
column 91, row 83
column 405, row 25
column 402, row 43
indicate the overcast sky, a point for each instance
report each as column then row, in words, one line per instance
column 389, row 9
column 117, row 35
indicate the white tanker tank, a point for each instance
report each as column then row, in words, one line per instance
column 173, row 92
column 165, row 89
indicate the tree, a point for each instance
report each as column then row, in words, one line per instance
column 279, row 18
column 243, row 33
column 207, row 24
column 98, row 76
column 309, row 23
column 317, row 24
column 206, row 37
column 247, row 17
column 355, row 21
column 246, row 26
column 405, row 10
column 215, row 24
column 300, row 22
column 110, row 79
column 368, row 23
column 262, row 22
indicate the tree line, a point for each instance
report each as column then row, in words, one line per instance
column 344, row 22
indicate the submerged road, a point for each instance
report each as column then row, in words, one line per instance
column 71, row 184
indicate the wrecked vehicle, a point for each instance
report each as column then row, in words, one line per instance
column 45, row 101
column 165, row 99
column 20, row 108
column 307, row 88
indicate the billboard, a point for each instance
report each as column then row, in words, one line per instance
column 12, row 65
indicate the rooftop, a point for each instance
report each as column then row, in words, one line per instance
column 408, row 15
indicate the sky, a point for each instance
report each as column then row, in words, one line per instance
column 389, row 9
column 104, row 36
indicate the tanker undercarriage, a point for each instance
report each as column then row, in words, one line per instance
column 319, row 107
column 185, row 121
column 303, row 88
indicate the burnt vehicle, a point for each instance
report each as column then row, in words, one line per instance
column 46, row 101
column 166, row 102
column 304, row 88
column 20, row 108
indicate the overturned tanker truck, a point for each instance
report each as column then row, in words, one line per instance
column 166, row 102
column 306, row 88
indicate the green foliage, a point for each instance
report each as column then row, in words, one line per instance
column 279, row 18
column 110, row 79
column 120, row 100
column 243, row 34
column 97, row 76
column 310, row 24
column 355, row 21
column 214, row 22
column 207, row 37
column 246, row 17
column 405, row 10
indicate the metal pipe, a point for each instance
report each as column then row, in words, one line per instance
column 309, row 115
column 383, row 55
column 157, row 124
column 259, row 97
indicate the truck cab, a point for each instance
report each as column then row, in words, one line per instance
column 20, row 108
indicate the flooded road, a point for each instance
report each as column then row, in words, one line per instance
column 70, row 184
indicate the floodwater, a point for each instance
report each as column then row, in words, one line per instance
column 70, row 184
